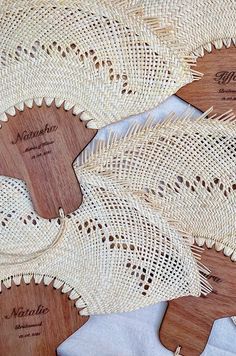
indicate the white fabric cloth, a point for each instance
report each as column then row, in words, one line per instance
column 136, row 333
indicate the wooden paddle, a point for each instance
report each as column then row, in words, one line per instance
column 39, row 146
column 188, row 321
column 36, row 319
column 217, row 87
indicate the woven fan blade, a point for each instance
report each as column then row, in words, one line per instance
column 96, row 58
column 184, row 168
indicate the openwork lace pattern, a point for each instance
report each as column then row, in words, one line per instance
column 184, row 168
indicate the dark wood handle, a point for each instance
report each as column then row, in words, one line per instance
column 62, row 190
column 39, row 146
column 217, row 86
column 182, row 327
column 188, row 321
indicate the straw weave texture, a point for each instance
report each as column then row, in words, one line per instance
column 195, row 25
column 102, row 61
column 186, row 170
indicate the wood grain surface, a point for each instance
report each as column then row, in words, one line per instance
column 188, row 321
column 217, row 88
column 39, row 146
column 35, row 320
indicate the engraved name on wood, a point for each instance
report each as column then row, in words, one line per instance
column 39, row 146
column 36, row 319
column 217, row 87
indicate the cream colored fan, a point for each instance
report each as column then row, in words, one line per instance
column 191, row 173
column 87, row 55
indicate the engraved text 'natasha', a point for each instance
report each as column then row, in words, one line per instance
column 28, row 135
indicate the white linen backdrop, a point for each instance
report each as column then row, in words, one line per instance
column 136, row 333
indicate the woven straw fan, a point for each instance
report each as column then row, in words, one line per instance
column 191, row 173
column 86, row 55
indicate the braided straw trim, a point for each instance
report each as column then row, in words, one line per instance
column 66, row 104
column 28, row 278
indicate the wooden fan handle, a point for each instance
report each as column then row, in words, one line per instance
column 39, row 146
column 183, row 326
column 188, row 321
